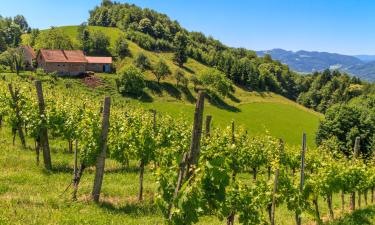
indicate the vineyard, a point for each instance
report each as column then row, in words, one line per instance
column 186, row 172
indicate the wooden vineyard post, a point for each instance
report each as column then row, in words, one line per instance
column 14, row 95
column 43, row 131
column 355, row 155
column 100, row 161
column 231, row 217
column 273, row 207
column 75, row 176
column 302, row 176
column 194, row 153
column 208, row 125
column 190, row 159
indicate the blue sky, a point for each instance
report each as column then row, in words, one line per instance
column 341, row 26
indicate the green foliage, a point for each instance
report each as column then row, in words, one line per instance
column 131, row 81
column 180, row 43
column 53, row 39
column 99, row 43
column 161, row 70
column 21, row 22
column 142, row 62
column 345, row 123
column 322, row 90
column 121, row 47
column 216, row 81
column 13, row 57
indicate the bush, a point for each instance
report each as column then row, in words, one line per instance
column 142, row 62
column 40, row 72
column 215, row 80
column 161, row 70
column 121, row 47
column 131, row 81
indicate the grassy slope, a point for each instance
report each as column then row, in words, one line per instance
column 257, row 112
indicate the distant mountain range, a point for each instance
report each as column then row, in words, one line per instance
column 362, row 66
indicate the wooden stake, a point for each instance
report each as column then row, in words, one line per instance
column 75, row 175
column 196, row 136
column 302, row 176
column 100, row 161
column 273, row 207
column 190, row 159
column 43, row 132
column 208, row 125
column 355, row 155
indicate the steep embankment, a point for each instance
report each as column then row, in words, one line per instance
column 257, row 112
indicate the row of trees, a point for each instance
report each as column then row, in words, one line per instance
column 197, row 175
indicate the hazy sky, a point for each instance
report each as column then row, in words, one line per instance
column 341, row 26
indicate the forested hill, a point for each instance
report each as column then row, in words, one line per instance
column 157, row 32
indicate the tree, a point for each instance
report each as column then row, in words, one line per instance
column 145, row 26
column 131, row 81
column 142, row 62
column 215, row 80
column 13, row 58
column 161, row 70
column 180, row 43
column 21, row 22
column 84, row 37
column 179, row 75
column 345, row 123
column 12, row 35
column 121, row 47
column 107, row 3
column 99, row 43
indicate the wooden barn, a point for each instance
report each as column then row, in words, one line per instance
column 64, row 62
column 99, row 64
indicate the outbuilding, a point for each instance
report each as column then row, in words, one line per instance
column 99, row 64
column 64, row 62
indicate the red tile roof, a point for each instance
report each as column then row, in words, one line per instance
column 101, row 60
column 72, row 56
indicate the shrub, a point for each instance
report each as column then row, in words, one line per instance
column 121, row 47
column 142, row 62
column 131, row 81
column 161, row 70
column 215, row 80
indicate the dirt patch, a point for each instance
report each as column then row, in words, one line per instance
column 92, row 81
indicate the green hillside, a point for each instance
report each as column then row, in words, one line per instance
column 257, row 112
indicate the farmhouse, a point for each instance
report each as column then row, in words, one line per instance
column 29, row 57
column 64, row 62
column 69, row 62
